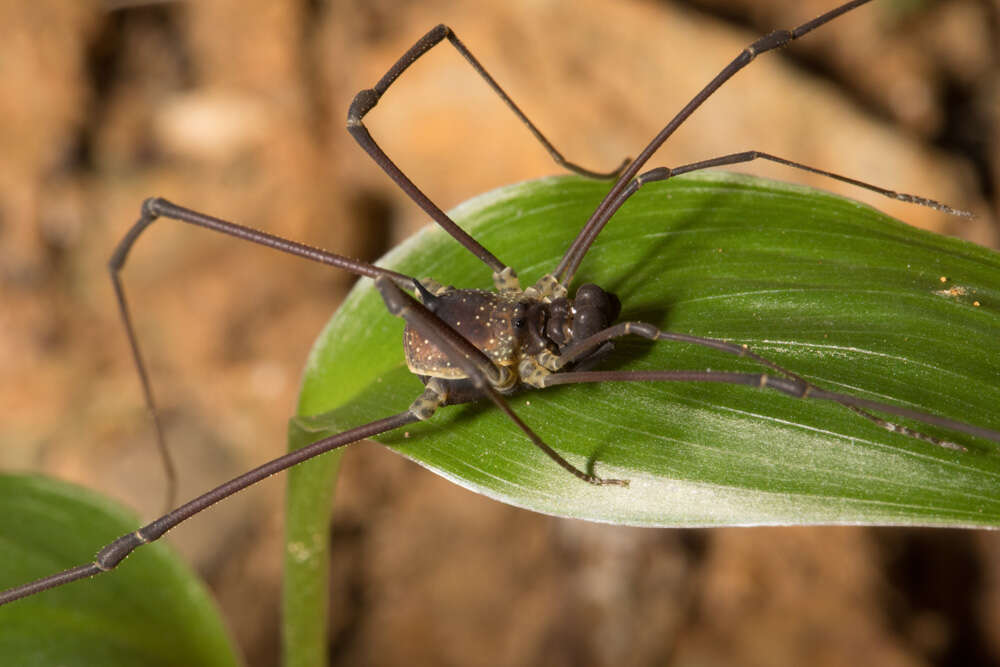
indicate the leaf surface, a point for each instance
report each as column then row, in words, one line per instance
column 827, row 287
column 151, row 610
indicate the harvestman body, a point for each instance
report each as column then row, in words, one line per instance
column 467, row 345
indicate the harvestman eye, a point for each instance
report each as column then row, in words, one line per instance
column 462, row 343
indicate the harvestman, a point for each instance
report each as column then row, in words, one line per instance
column 467, row 345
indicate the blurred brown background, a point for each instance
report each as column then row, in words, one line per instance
column 236, row 108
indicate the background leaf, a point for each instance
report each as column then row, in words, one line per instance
column 151, row 610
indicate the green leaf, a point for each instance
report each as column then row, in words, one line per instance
column 827, row 287
column 152, row 610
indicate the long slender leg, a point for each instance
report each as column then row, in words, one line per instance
column 788, row 386
column 581, row 349
column 476, row 365
column 111, row 555
column 664, row 173
column 154, row 208
column 366, row 100
column 574, row 255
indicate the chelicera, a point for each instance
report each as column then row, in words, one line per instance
column 469, row 345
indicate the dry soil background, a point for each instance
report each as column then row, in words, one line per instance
column 236, row 107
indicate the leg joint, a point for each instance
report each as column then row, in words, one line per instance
column 363, row 102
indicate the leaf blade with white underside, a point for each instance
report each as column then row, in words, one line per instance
column 825, row 286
